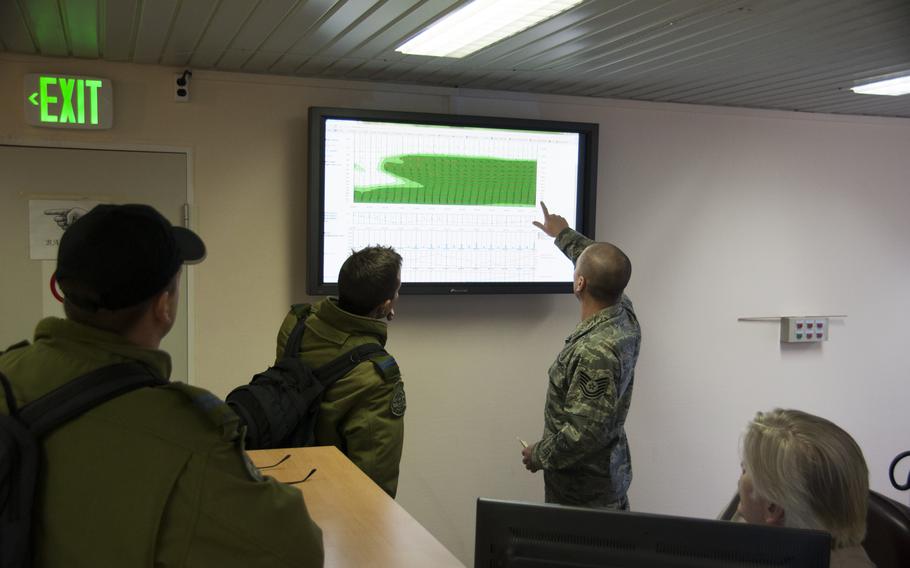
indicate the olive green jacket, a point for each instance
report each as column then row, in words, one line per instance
column 362, row 413
column 155, row 477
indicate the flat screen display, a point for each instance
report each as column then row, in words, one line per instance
column 512, row 534
column 454, row 195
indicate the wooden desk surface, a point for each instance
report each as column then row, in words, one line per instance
column 361, row 525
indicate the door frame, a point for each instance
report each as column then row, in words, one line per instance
column 189, row 270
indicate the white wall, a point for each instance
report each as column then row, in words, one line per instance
column 725, row 213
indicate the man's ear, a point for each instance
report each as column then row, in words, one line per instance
column 382, row 310
column 774, row 514
column 161, row 308
column 580, row 284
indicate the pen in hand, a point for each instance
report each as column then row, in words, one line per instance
column 522, row 442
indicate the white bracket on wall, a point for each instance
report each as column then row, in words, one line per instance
column 800, row 329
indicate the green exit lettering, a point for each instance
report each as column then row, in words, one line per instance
column 68, row 101
column 65, row 100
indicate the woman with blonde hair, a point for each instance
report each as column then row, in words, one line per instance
column 803, row 471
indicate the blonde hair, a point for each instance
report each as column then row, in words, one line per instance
column 813, row 469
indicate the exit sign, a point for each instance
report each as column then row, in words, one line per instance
column 68, row 101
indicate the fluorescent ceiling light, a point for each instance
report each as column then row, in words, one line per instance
column 481, row 23
column 893, row 87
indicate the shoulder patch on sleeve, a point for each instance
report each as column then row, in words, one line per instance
column 592, row 388
column 399, row 402
column 216, row 410
column 387, row 367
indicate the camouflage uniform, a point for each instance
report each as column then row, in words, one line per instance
column 584, row 451
column 155, row 477
column 362, row 413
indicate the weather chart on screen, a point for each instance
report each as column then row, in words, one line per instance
column 456, row 202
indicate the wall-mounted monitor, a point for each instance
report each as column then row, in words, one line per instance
column 511, row 534
column 454, row 195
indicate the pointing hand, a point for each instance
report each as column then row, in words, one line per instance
column 553, row 224
column 66, row 217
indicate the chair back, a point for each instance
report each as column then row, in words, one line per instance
column 887, row 532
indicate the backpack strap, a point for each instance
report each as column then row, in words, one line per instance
column 83, row 393
column 345, row 363
column 292, row 347
column 12, row 408
column 21, row 344
column 20, row 435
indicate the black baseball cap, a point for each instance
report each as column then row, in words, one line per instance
column 116, row 256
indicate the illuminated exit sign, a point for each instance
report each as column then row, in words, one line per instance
column 68, row 101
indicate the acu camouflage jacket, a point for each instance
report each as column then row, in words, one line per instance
column 584, row 451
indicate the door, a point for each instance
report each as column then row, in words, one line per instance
column 29, row 173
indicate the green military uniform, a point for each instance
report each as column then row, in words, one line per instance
column 155, row 477
column 362, row 413
column 584, row 451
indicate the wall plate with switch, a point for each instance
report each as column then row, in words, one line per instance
column 182, row 86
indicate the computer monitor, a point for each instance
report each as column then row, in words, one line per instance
column 455, row 195
column 527, row 535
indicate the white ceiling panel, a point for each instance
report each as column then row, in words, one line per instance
column 153, row 30
column 335, row 26
column 257, row 28
column 383, row 14
column 341, row 67
column 187, row 30
column 225, row 24
column 302, row 22
column 287, row 34
column 80, row 22
column 45, row 20
column 119, row 25
column 368, row 69
column 14, row 33
column 382, row 45
column 772, row 54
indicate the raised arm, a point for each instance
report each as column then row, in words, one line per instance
column 569, row 241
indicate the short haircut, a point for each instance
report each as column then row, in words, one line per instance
column 117, row 321
column 368, row 278
column 813, row 469
column 607, row 271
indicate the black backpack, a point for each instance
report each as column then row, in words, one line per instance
column 21, row 432
column 280, row 405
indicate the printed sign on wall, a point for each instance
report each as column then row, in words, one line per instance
column 47, row 219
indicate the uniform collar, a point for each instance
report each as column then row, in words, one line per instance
column 593, row 321
column 329, row 312
column 66, row 330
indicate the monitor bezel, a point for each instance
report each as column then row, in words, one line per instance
column 635, row 539
column 585, row 198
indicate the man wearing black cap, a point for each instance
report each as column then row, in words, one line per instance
column 156, row 476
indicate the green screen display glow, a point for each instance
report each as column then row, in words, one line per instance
column 453, row 180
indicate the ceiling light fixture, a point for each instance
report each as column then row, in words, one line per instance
column 481, row 23
column 893, row 87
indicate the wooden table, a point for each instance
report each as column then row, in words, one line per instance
column 361, row 525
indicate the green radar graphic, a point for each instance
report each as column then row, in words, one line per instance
column 439, row 179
